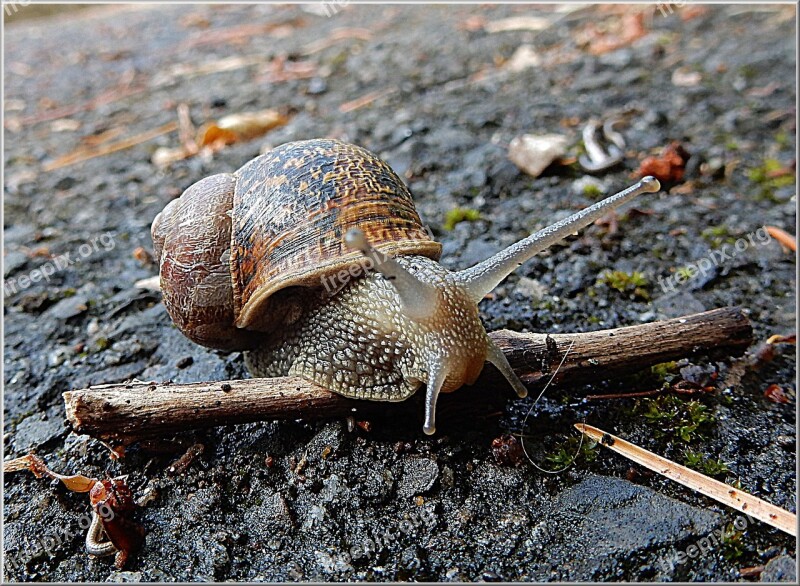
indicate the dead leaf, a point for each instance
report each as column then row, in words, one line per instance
column 240, row 127
column 776, row 394
column 667, row 167
column 76, row 483
column 778, row 339
column 534, row 153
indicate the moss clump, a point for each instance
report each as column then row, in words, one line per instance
column 718, row 235
column 765, row 174
column 592, row 190
column 783, row 139
column 665, row 371
column 634, row 284
column 567, row 453
column 458, row 215
column 102, row 344
column 707, row 466
column 675, row 418
column 732, row 546
column 771, row 176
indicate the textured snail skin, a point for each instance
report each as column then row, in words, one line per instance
column 360, row 344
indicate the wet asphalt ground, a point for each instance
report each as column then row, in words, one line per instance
column 430, row 90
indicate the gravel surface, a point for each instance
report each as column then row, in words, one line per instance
column 391, row 504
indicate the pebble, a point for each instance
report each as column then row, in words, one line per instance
column 317, row 86
column 68, row 307
column 780, row 569
column 184, row 362
column 13, row 261
column 418, row 477
column 530, row 288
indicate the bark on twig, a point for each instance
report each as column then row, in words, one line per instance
column 123, row 412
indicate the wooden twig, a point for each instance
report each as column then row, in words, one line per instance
column 719, row 491
column 123, row 412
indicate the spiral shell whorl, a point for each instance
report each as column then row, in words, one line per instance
column 292, row 207
column 192, row 239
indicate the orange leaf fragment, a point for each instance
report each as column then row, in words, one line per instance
column 240, row 127
column 783, row 237
column 76, row 483
column 667, row 167
column 776, row 394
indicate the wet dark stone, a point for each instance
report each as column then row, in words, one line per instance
column 437, row 508
column 68, row 307
column 780, row 569
column 418, row 476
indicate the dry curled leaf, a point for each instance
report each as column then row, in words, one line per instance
column 76, row 482
column 143, row 256
column 776, row 394
column 667, row 167
column 240, row 127
column 778, row 339
column 507, row 450
column 111, row 500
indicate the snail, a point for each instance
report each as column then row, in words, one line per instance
column 312, row 260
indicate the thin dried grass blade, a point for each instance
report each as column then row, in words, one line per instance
column 719, row 491
column 782, row 236
column 86, row 153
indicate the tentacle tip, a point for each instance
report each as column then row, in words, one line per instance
column 429, row 428
column 522, row 393
column 650, row 184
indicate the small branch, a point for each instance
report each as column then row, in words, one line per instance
column 137, row 410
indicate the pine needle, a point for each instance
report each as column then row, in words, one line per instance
column 719, row 491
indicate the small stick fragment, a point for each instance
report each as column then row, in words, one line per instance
column 719, row 491
column 182, row 463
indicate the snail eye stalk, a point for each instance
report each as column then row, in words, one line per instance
column 419, row 299
column 485, row 276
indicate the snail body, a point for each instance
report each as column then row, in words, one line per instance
column 313, row 260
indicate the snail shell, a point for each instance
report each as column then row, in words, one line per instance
column 233, row 248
